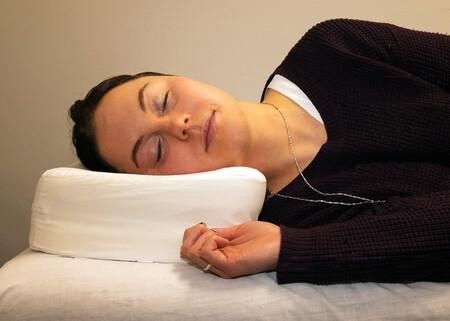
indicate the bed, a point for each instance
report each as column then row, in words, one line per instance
column 89, row 261
column 36, row 286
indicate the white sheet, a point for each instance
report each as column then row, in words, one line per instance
column 36, row 287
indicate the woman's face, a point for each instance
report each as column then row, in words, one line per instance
column 164, row 125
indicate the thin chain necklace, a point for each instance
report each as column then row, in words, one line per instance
column 362, row 200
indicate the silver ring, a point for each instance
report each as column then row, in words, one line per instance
column 206, row 269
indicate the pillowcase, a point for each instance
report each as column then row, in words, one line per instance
column 81, row 213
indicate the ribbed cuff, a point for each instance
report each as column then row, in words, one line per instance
column 296, row 258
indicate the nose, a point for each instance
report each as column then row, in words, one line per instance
column 178, row 125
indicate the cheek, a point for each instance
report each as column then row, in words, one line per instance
column 195, row 94
column 182, row 160
column 179, row 160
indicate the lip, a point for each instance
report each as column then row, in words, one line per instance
column 209, row 130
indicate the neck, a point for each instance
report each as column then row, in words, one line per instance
column 269, row 150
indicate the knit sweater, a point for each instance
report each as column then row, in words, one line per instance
column 383, row 93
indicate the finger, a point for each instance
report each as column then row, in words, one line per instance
column 212, row 245
column 225, row 262
column 209, row 268
column 190, row 236
column 190, row 232
column 218, row 272
column 226, row 232
column 208, row 237
column 221, row 242
column 192, row 252
column 211, row 252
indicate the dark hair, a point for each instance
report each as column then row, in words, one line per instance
column 82, row 113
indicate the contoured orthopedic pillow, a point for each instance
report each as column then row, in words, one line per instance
column 81, row 213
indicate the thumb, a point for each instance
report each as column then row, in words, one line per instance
column 226, row 232
column 221, row 241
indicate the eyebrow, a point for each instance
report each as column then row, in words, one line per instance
column 141, row 97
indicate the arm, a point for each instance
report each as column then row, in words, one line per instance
column 406, row 239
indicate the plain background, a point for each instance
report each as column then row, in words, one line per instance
column 53, row 51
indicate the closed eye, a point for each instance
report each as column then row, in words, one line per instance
column 159, row 150
column 164, row 105
column 158, row 154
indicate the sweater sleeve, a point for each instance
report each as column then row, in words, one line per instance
column 403, row 240
column 422, row 54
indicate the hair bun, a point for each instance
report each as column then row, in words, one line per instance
column 77, row 112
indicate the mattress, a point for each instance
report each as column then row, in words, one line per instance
column 36, row 286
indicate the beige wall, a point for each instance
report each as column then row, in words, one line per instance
column 53, row 51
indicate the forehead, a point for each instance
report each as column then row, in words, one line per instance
column 119, row 103
column 124, row 92
column 116, row 122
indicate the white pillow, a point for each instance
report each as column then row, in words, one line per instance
column 81, row 213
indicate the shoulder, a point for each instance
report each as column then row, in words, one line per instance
column 333, row 26
column 349, row 36
column 344, row 31
column 350, row 29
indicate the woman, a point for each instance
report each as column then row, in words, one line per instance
column 352, row 134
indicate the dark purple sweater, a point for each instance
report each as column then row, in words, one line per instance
column 383, row 93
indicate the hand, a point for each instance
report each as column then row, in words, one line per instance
column 248, row 248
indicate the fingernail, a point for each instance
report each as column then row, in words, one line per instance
column 211, row 229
